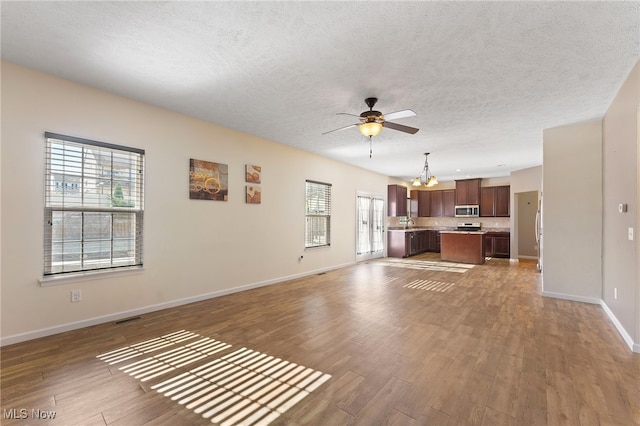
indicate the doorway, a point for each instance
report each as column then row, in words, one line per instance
column 370, row 226
column 527, row 208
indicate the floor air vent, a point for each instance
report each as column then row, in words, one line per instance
column 122, row 321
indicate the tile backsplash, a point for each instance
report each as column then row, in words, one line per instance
column 487, row 222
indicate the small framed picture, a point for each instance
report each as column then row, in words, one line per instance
column 252, row 173
column 254, row 194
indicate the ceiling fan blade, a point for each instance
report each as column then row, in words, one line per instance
column 341, row 128
column 400, row 127
column 400, row 114
column 348, row 113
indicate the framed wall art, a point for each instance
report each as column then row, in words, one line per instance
column 208, row 181
column 253, row 173
column 254, row 194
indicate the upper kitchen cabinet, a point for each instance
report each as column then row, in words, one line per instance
column 443, row 203
column 420, row 203
column 433, row 203
column 435, row 209
column 449, row 202
column 468, row 192
column 495, row 201
column 396, row 200
column 414, row 204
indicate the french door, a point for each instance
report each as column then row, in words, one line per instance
column 370, row 226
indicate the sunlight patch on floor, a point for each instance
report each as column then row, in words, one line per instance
column 157, row 365
column 430, row 285
column 387, row 279
column 152, row 345
column 243, row 387
column 428, row 265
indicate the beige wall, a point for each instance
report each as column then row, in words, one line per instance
column 572, row 212
column 601, row 171
column 621, row 261
column 193, row 249
column 527, row 207
column 525, row 180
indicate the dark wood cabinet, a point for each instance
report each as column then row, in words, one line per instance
column 502, row 247
column 396, row 200
column 503, row 201
column 497, row 244
column 409, row 243
column 422, row 203
column 435, row 210
column 433, row 203
column 397, row 244
column 417, row 244
column 495, row 201
column 449, row 203
column 489, row 250
column 413, row 204
column 468, row 192
column 433, row 241
column 488, row 201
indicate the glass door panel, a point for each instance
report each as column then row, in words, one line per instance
column 370, row 226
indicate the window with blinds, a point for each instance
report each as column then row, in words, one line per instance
column 94, row 205
column 318, row 214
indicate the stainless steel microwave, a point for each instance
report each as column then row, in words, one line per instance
column 468, row 211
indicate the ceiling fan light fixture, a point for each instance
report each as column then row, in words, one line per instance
column 370, row 128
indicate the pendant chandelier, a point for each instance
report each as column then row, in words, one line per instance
column 425, row 178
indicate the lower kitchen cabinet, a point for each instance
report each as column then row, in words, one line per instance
column 401, row 243
column 497, row 244
column 433, row 241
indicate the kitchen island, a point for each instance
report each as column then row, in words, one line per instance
column 462, row 246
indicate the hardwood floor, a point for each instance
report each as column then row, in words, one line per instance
column 381, row 342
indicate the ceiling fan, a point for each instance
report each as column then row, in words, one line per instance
column 372, row 122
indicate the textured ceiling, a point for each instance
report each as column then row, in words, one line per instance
column 485, row 78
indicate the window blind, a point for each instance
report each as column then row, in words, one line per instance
column 318, row 214
column 94, row 205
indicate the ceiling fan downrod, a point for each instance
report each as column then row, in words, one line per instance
column 370, row 102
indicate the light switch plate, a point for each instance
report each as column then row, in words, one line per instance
column 630, row 233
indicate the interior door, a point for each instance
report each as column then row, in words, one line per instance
column 370, row 226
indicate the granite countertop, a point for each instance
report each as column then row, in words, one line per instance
column 463, row 232
column 444, row 229
column 496, row 229
column 422, row 228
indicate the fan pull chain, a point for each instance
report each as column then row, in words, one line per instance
column 370, row 150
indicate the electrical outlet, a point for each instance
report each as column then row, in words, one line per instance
column 615, row 293
column 76, row 296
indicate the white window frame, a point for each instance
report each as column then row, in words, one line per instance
column 63, row 153
column 317, row 214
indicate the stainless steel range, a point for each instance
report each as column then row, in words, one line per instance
column 469, row 226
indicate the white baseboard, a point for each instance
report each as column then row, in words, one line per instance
column 593, row 300
column 634, row 347
column 23, row 337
